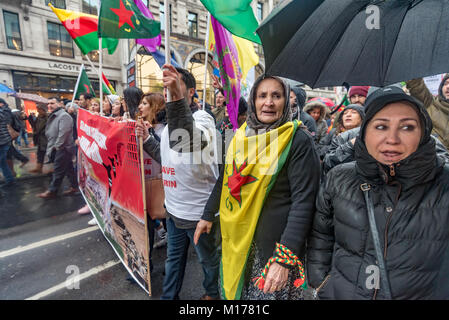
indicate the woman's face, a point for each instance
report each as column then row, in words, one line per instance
column 95, row 106
column 219, row 100
column 116, row 107
column 393, row 133
column 315, row 113
column 145, row 108
column 106, row 106
column 351, row 119
column 270, row 101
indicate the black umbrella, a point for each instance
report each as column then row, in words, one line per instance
column 282, row 23
column 341, row 41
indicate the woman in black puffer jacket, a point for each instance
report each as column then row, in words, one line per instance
column 407, row 184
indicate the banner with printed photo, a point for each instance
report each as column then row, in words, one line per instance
column 109, row 179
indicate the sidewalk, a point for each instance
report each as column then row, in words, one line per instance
column 23, row 173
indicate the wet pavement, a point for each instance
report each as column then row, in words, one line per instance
column 44, row 242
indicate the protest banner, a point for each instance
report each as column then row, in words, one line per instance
column 110, row 181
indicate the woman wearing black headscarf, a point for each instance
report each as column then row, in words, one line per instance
column 381, row 230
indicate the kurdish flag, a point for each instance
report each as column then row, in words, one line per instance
column 236, row 16
column 83, row 84
column 247, row 56
column 230, row 72
column 123, row 19
column 251, row 168
column 83, row 29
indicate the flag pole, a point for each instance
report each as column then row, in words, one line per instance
column 167, row 39
column 100, row 83
column 205, row 60
column 77, row 83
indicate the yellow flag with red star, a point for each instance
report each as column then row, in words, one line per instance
column 251, row 168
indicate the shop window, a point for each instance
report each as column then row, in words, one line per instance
column 59, row 40
column 260, row 11
column 193, row 25
column 196, row 67
column 12, row 28
column 90, row 7
column 56, row 3
column 162, row 16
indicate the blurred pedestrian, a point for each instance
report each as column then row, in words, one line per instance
column 318, row 112
column 38, row 123
column 61, row 148
column 6, row 120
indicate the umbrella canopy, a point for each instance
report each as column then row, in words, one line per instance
column 326, row 101
column 280, row 26
column 29, row 97
column 348, row 41
column 4, row 88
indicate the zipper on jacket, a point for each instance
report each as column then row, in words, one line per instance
column 392, row 172
column 321, row 285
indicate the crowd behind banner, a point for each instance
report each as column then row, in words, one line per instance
column 302, row 200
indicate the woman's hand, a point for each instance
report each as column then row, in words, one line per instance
column 216, row 84
column 172, row 80
column 276, row 279
column 142, row 129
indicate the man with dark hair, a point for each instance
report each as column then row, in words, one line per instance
column 60, row 147
column 84, row 100
column 187, row 154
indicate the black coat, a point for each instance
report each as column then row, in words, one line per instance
column 411, row 208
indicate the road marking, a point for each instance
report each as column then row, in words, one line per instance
column 35, row 245
column 82, row 276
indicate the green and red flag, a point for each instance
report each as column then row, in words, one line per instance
column 123, row 19
column 83, row 28
column 236, row 16
column 107, row 86
column 83, row 84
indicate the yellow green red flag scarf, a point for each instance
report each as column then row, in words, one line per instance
column 251, row 168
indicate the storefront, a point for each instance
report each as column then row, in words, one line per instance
column 48, row 85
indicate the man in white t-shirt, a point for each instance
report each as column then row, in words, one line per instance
column 187, row 152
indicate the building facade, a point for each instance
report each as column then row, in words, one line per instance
column 37, row 54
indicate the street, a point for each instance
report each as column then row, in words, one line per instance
column 44, row 243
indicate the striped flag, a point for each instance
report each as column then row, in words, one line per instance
column 83, row 29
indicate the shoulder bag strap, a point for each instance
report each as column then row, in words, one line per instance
column 375, row 234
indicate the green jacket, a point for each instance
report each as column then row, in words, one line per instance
column 437, row 107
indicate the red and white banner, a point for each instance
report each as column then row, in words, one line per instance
column 110, row 181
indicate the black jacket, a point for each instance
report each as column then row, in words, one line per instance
column 411, row 201
column 288, row 211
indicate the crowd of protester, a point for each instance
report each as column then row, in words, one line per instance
column 356, row 186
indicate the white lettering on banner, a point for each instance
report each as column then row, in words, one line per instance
column 90, row 149
column 95, row 134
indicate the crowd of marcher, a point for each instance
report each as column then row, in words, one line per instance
column 353, row 204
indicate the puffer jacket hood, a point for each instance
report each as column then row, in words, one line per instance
column 316, row 104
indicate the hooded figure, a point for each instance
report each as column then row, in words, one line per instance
column 321, row 125
column 386, row 212
column 437, row 107
column 299, row 113
column 259, row 224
